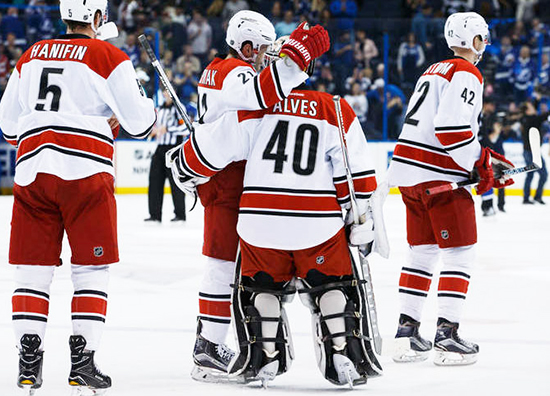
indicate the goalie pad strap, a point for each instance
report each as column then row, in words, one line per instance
column 331, row 286
column 255, row 290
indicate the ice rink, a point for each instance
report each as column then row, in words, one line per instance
column 149, row 334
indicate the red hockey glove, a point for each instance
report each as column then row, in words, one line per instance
column 306, row 44
column 500, row 163
column 484, row 171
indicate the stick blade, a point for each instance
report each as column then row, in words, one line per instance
column 534, row 143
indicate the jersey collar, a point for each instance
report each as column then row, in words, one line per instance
column 73, row 36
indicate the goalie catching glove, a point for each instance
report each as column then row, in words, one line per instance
column 305, row 44
column 185, row 182
column 489, row 168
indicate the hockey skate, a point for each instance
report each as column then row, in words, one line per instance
column 419, row 347
column 451, row 350
column 84, row 372
column 346, row 371
column 211, row 361
column 30, row 364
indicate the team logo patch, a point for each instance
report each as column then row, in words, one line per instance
column 444, row 234
column 98, row 251
column 320, row 260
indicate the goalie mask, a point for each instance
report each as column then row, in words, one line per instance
column 84, row 11
column 462, row 28
column 249, row 27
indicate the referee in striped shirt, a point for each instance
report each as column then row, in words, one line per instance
column 169, row 131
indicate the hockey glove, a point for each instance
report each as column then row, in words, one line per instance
column 484, row 171
column 185, row 182
column 500, row 164
column 362, row 236
column 306, row 44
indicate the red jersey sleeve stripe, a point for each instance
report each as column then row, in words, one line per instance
column 193, row 162
column 268, row 87
column 450, row 138
column 428, row 157
column 288, row 202
column 362, row 185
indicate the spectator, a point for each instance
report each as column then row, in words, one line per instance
column 358, row 102
column 200, row 36
column 287, row 25
column 276, row 13
column 174, row 33
column 360, row 76
column 421, row 26
column 345, row 12
column 11, row 23
column 523, row 75
column 132, row 49
column 452, row 6
column 126, row 11
column 327, row 79
column 186, row 81
column 519, row 35
column 410, row 59
column 189, row 57
column 365, row 49
column 395, row 102
column 231, row 7
column 532, row 119
column 5, row 69
column 525, row 10
column 215, row 9
column 505, row 60
column 13, row 51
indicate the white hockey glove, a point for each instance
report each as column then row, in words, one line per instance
column 185, row 182
column 362, row 234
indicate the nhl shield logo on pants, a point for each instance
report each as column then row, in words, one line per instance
column 444, row 234
column 98, row 251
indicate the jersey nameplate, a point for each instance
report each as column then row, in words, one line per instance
column 58, row 51
column 297, row 106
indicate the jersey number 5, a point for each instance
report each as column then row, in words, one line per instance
column 279, row 138
column 55, row 90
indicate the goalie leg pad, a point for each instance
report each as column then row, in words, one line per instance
column 261, row 328
column 340, row 327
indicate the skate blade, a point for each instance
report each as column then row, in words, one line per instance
column 28, row 390
column 454, row 358
column 410, row 356
column 79, row 390
column 268, row 373
column 347, row 374
column 210, row 375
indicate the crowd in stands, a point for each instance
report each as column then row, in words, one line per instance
column 516, row 66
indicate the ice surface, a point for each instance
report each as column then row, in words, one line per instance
column 149, row 335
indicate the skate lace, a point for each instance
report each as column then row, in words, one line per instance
column 224, row 352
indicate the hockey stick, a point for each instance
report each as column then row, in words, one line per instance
column 364, row 272
column 534, row 143
column 165, row 81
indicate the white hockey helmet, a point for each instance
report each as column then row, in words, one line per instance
column 462, row 27
column 83, row 10
column 249, row 26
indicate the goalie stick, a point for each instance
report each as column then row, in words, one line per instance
column 363, row 273
column 534, row 143
column 165, row 81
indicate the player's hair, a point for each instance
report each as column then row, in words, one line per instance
column 74, row 25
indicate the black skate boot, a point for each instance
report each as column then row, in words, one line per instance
column 211, row 360
column 30, row 363
column 451, row 350
column 84, row 372
column 419, row 347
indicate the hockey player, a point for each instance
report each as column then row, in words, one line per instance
column 61, row 109
column 290, row 225
column 438, row 144
column 232, row 83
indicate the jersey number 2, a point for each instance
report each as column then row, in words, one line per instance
column 55, row 90
column 424, row 88
column 279, row 138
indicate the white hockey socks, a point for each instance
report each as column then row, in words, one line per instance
column 215, row 299
column 454, row 280
column 416, row 278
column 31, row 300
column 89, row 304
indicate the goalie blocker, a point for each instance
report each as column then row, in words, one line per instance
column 342, row 343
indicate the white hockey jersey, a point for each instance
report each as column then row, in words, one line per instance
column 232, row 84
column 57, row 103
column 294, row 184
column 439, row 136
